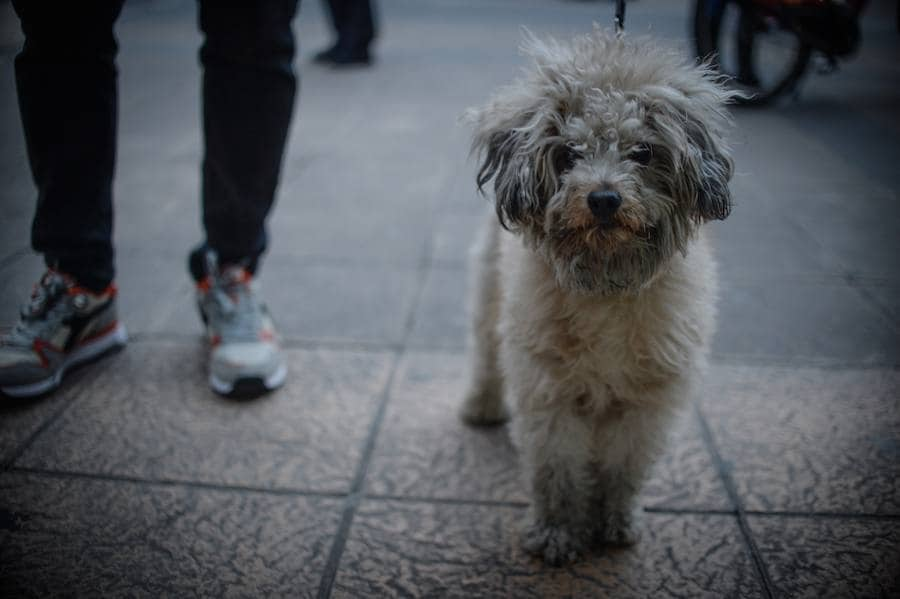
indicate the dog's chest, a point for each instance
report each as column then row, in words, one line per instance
column 618, row 347
column 616, row 343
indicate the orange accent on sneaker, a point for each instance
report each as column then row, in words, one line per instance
column 215, row 340
column 204, row 284
column 111, row 290
column 244, row 276
column 39, row 346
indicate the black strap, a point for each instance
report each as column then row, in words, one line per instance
column 620, row 16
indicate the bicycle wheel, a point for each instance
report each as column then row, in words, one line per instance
column 760, row 57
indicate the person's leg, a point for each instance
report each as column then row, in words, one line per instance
column 248, row 99
column 338, row 11
column 335, row 10
column 354, row 24
column 249, row 88
column 358, row 29
column 66, row 82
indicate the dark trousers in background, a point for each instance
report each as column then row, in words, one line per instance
column 66, row 82
column 355, row 25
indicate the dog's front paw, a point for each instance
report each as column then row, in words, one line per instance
column 484, row 408
column 556, row 545
column 617, row 529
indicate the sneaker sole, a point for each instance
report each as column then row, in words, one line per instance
column 118, row 337
column 249, row 385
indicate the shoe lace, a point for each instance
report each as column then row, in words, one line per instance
column 44, row 311
column 232, row 306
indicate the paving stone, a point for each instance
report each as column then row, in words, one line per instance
column 20, row 419
column 858, row 140
column 18, row 240
column 456, row 234
column 885, row 295
column 428, row 550
column 424, row 450
column 442, row 318
column 795, row 153
column 757, row 244
column 152, row 416
column 833, row 557
column 356, row 303
column 863, row 242
column 310, row 301
column 17, row 278
column 392, row 237
column 154, row 287
column 801, row 322
column 463, row 198
column 807, row 439
column 157, row 212
column 17, row 193
column 74, row 537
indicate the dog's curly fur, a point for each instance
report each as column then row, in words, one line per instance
column 593, row 329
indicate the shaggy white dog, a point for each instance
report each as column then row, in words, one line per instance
column 596, row 289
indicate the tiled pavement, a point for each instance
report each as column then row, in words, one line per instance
column 357, row 479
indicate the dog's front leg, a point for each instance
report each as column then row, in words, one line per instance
column 613, row 512
column 554, row 460
column 626, row 447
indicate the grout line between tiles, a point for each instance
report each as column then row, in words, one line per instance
column 166, row 482
column 448, row 501
column 787, row 363
column 356, row 494
column 723, row 359
column 354, row 498
column 689, row 511
column 150, row 337
column 739, row 512
column 822, row 515
column 7, row 464
column 452, row 501
column 776, row 514
column 855, row 282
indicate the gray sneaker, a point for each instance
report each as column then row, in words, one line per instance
column 63, row 325
column 245, row 356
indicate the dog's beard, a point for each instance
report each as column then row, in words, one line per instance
column 601, row 263
column 622, row 259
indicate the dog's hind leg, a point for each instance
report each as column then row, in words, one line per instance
column 483, row 403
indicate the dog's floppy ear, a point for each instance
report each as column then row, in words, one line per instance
column 692, row 118
column 505, row 140
column 708, row 163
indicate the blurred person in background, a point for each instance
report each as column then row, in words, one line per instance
column 354, row 26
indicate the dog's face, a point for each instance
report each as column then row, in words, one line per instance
column 607, row 157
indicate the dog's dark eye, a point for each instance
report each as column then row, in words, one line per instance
column 565, row 159
column 641, row 154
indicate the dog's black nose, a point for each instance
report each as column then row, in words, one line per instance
column 604, row 204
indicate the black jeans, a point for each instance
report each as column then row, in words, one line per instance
column 354, row 23
column 66, row 82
